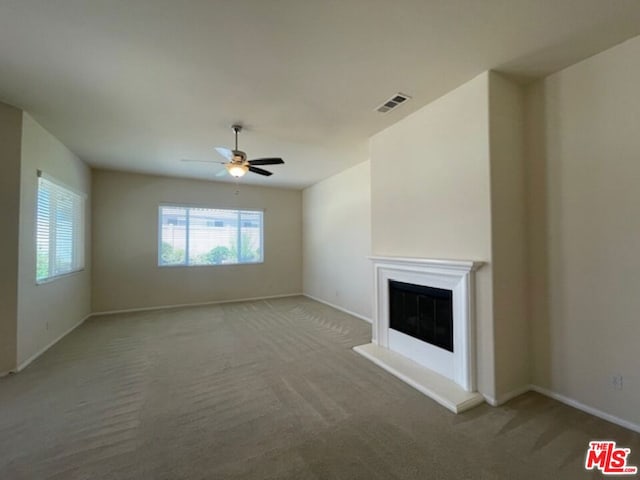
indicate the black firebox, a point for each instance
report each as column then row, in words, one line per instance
column 424, row 313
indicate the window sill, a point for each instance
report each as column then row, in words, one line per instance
column 44, row 281
column 211, row 265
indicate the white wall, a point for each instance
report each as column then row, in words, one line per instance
column 508, row 237
column 125, row 243
column 10, row 132
column 584, row 203
column 337, row 240
column 430, row 195
column 49, row 310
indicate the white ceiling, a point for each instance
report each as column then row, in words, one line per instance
column 139, row 84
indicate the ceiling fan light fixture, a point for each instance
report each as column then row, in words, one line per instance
column 236, row 170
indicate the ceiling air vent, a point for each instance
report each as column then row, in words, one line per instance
column 393, row 102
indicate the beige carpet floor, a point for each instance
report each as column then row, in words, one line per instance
column 263, row 390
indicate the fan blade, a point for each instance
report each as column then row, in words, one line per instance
column 201, row 161
column 266, row 161
column 260, row 171
column 225, row 152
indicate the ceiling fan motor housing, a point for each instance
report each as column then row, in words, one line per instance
column 239, row 156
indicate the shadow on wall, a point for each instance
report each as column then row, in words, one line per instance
column 536, row 173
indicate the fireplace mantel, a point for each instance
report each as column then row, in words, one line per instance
column 462, row 265
column 447, row 377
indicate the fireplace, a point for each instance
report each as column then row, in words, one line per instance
column 423, row 327
column 424, row 313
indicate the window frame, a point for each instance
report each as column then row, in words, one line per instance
column 78, row 237
column 186, row 263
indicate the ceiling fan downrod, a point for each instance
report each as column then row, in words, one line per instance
column 236, row 129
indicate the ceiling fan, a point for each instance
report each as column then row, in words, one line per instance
column 237, row 164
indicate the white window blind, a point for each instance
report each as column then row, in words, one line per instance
column 209, row 236
column 59, row 230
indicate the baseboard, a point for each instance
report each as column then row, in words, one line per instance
column 199, row 304
column 28, row 361
column 505, row 397
column 562, row 399
column 586, row 408
column 337, row 307
column 490, row 400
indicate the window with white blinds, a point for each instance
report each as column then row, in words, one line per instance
column 192, row 236
column 59, row 230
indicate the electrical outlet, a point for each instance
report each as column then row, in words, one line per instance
column 617, row 382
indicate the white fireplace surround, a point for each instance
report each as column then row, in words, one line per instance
column 448, row 377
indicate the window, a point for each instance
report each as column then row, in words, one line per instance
column 209, row 236
column 59, row 230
